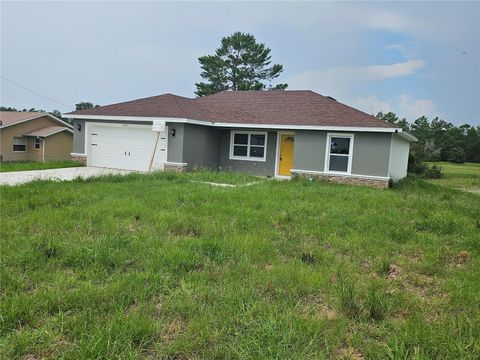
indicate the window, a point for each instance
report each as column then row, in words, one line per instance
column 19, row 144
column 36, row 144
column 339, row 153
column 248, row 145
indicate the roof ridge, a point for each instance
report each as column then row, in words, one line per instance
column 180, row 108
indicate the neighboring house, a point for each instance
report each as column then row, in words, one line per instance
column 267, row 133
column 34, row 136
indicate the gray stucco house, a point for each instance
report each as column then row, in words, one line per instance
column 266, row 133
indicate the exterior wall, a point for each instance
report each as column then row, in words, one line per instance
column 78, row 137
column 200, row 147
column 309, row 152
column 175, row 143
column 399, row 151
column 260, row 168
column 58, row 146
column 7, row 134
column 370, row 152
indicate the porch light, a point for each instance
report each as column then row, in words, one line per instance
column 79, row 127
column 172, row 132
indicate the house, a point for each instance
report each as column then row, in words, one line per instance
column 267, row 133
column 34, row 136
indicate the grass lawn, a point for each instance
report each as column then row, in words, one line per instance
column 460, row 176
column 33, row 165
column 160, row 267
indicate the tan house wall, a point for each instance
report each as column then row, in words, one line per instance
column 7, row 134
column 58, row 146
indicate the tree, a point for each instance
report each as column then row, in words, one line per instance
column 472, row 144
column 56, row 113
column 4, row 108
column 240, row 63
column 84, row 105
column 421, row 129
column 393, row 119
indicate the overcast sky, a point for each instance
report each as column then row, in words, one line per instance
column 412, row 58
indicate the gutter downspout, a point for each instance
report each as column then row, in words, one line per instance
column 43, row 150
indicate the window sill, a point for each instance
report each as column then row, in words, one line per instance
column 337, row 172
column 248, row 159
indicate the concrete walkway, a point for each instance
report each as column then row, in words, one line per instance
column 21, row 177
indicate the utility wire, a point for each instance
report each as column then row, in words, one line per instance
column 36, row 93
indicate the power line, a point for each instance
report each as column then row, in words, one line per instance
column 36, row 93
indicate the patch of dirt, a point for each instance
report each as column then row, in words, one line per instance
column 133, row 307
column 268, row 267
column 321, row 309
column 326, row 311
column 58, row 346
column 418, row 285
column 350, row 354
column 461, row 258
column 176, row 328
column 159, row 305
column 394, row 272
column 30, row 357
column 366, row 265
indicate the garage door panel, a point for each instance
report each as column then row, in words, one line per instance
column 125, row 147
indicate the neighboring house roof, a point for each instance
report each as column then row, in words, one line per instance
column 47, row 131
column 9, row 118
column 293, row 108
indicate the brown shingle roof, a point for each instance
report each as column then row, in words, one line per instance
column 12, row 117
column 47, row 131
column 302, row 107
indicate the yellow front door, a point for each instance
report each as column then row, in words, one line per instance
column 286, row 155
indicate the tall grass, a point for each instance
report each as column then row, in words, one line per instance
column 159, row 266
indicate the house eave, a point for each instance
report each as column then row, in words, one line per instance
column 234, row 125
column 407, row 136
column 36, row 117
column 50, row 134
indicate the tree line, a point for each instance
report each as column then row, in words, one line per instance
column 439, row 140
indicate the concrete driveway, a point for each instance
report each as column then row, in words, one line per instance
column 21, row 177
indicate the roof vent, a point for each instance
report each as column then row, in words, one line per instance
column 332, row 98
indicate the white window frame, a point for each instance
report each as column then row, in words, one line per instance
column 327, row 153
column 13, row 144
column 35, row 143
column 248, row 157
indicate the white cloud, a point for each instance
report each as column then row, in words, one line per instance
column 372, row 105
column 378, row 72
column 414, row 108
column 338, row 81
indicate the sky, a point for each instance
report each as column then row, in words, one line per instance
column 412, row 58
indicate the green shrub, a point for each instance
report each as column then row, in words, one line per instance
column 433, row 172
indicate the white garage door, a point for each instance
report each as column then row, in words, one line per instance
column 129, row 147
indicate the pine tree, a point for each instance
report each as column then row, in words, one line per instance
column 240, row 63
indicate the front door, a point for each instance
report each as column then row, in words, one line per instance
column 286, row 154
